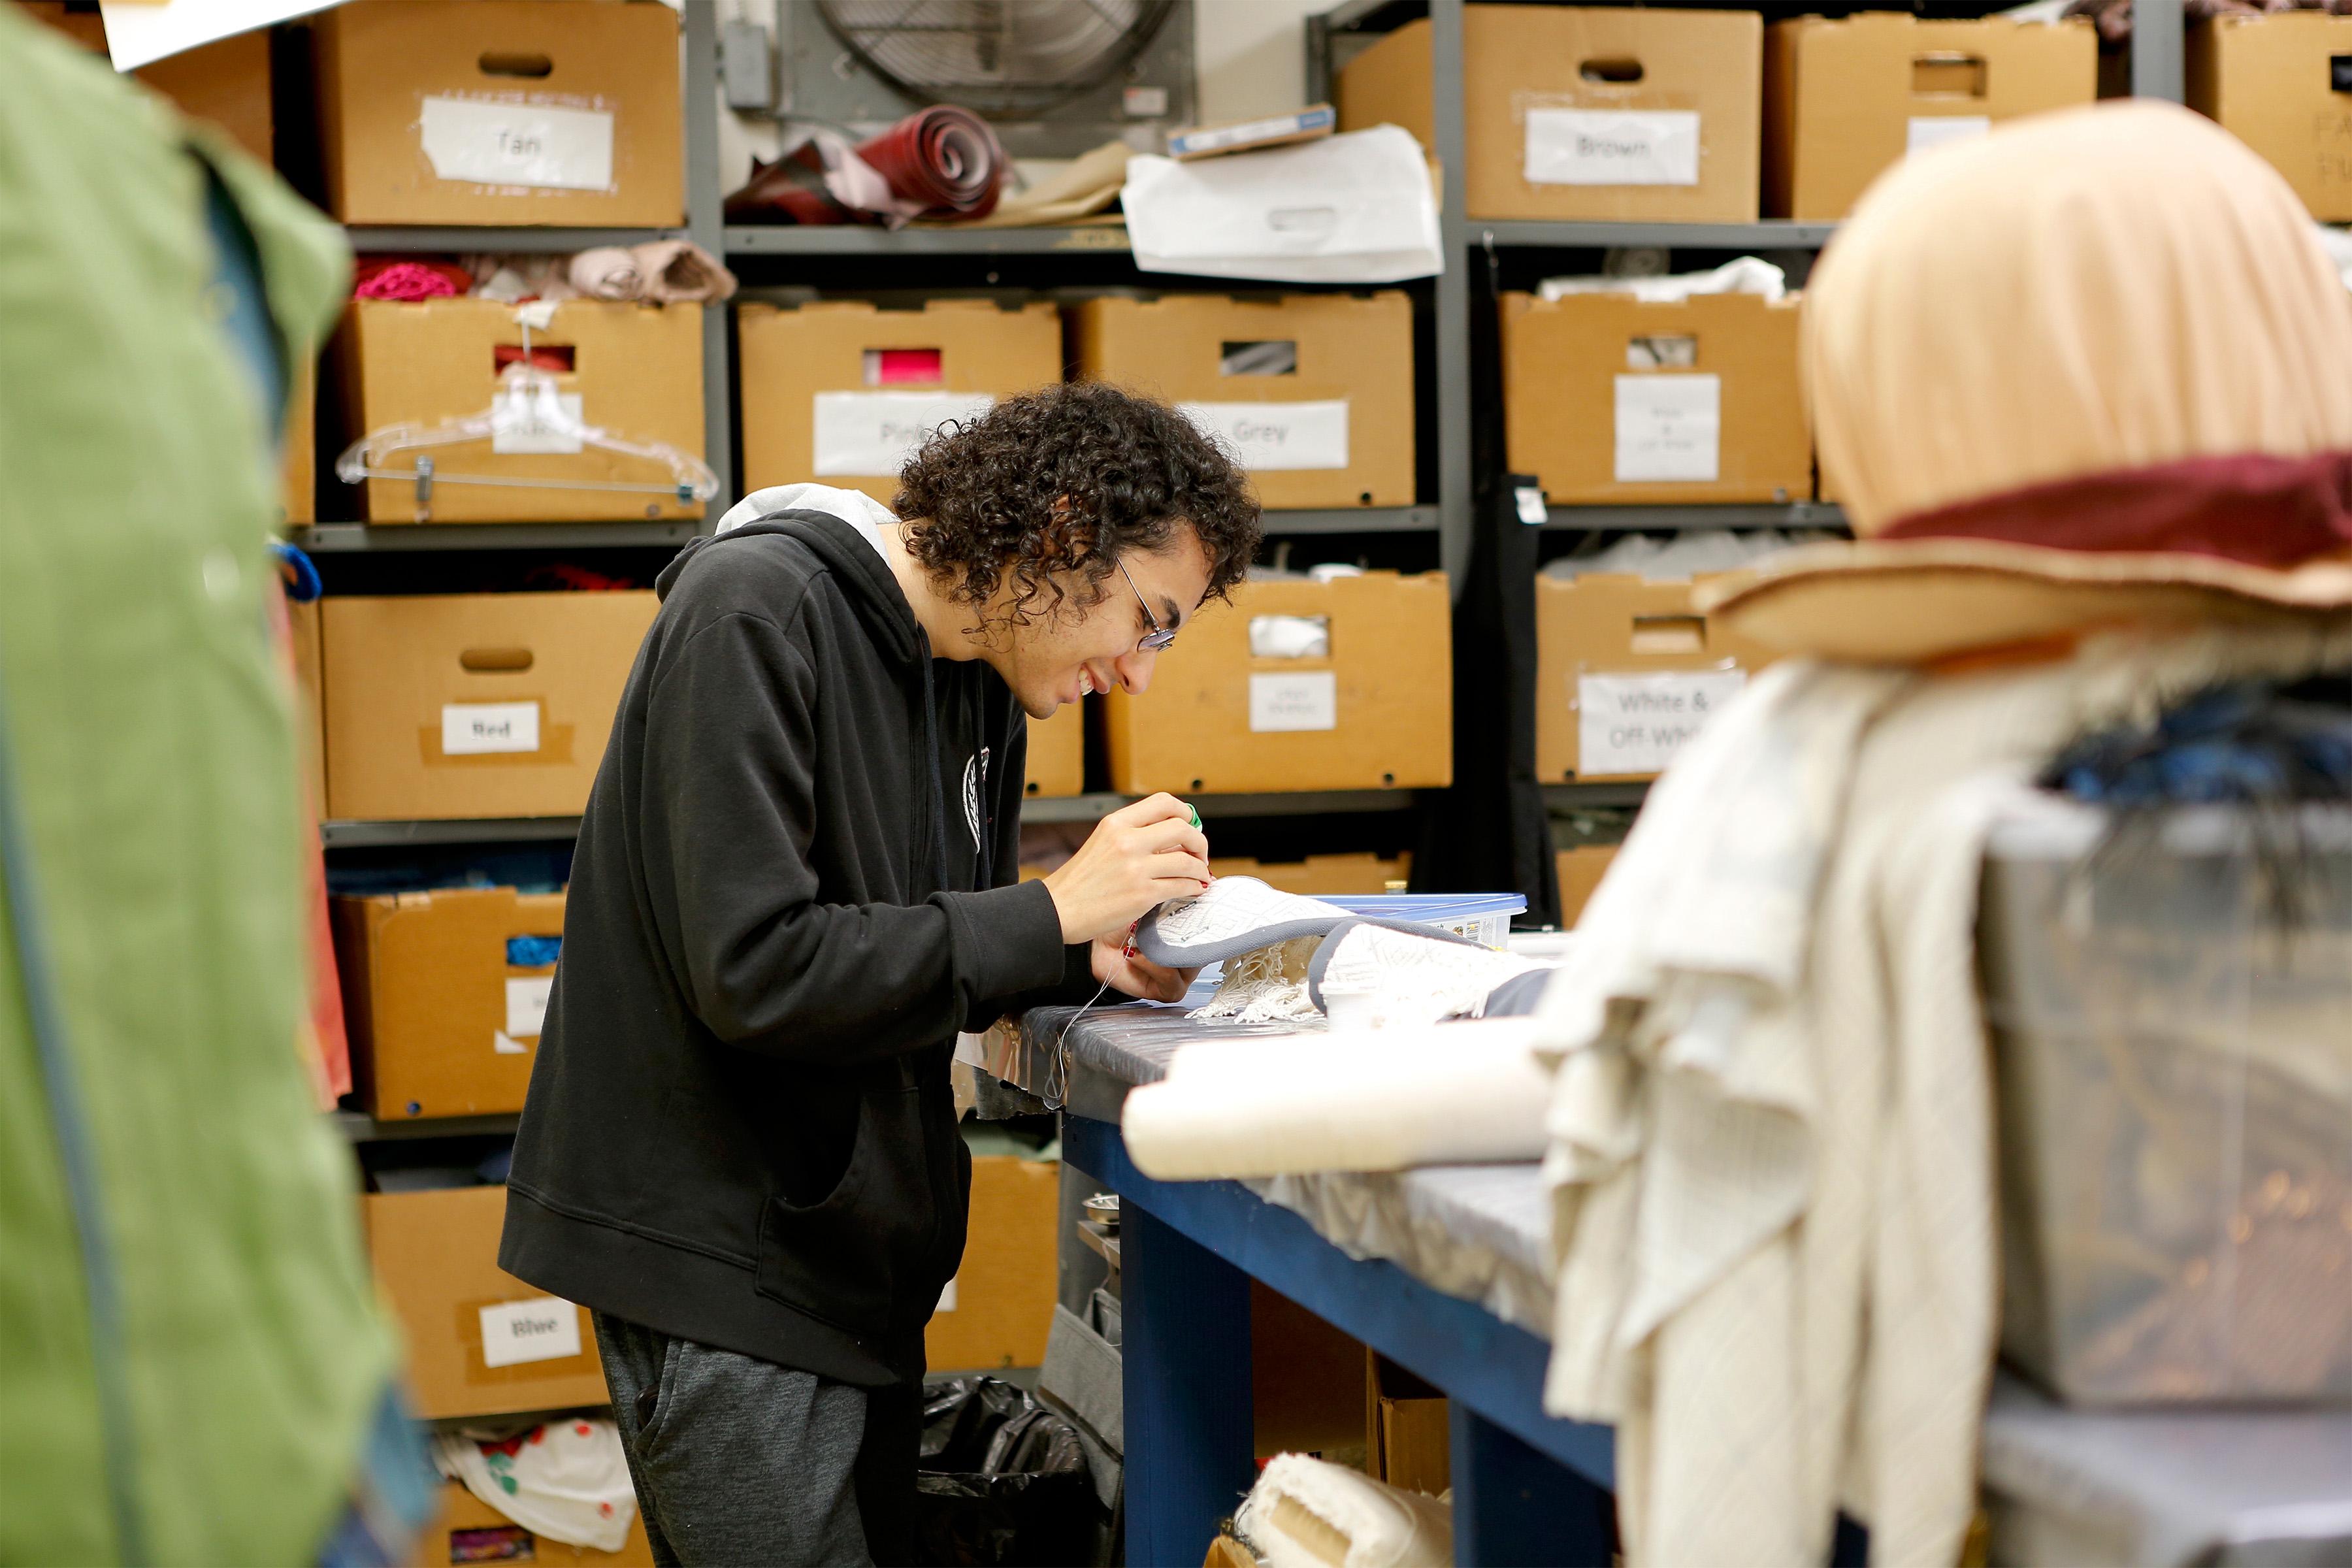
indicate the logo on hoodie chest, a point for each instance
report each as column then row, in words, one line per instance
column 975, row 780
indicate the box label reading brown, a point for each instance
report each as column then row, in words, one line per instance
column 493, row 144
column 1612, row 147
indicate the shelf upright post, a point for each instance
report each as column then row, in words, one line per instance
column 706, row 226
column 2158, row 45
column 1456, row 517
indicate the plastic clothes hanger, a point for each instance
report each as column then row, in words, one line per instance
column 529, row 413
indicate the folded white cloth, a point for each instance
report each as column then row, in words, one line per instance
column 1771, row 1139
column 607, row 272
column 1306, row 1513
column 1741, row 275
column 567, row 1480
column 1347, row 1100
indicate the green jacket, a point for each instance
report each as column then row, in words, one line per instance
column 152, row 763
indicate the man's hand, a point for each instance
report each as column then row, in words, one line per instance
column 1137, row 859
column 1138, row 976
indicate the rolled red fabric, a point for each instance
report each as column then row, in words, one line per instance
column 943, row 157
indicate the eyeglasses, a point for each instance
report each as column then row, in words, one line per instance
column 1159, row 637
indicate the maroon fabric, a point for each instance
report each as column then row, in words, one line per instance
column 944, row 157
column 2254, row 509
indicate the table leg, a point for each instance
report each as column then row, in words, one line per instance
column 1185, row 1367
column 1512, row 1504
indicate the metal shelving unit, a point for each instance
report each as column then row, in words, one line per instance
column 1604, row 792
column 1301, row 803
column 361, row 1128
column 1790, row 514
column 857, row 239
column 465, row 239
column 1775, row 234
column 339, row 538
column 343, row 834
column 1353, row 520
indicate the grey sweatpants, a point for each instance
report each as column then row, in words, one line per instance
column 740, row 1461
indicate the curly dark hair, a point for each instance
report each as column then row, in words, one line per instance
column 1058, row 483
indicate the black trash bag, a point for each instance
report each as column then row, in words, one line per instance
column 1000, row 1479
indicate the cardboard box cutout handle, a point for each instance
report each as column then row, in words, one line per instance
column 2339, row 73
column 494, row 62
column 1669, row 634
column 905, row 367
column 1267, row 357
column 495, row 660
column 1617, row 72
column 1947, row 74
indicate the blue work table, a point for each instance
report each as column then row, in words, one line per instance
column 2209, row 1487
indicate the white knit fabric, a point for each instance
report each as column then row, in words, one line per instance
column 1770, row 1127
column 1306, row 1513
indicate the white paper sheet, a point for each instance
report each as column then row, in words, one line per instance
column 861, row 433
column 1354, row 208
column 474, row 728
column 527, row 997
column 1612, row 147
column 1926, row 132
column 138, row 35
column 545, row 1328
column 1307, row 701
column 519, row 425
column 1270, row 438
column 1636, row 722
column 491, row 142
column 1669, row 428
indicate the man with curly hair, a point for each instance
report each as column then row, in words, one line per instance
column 795, row 885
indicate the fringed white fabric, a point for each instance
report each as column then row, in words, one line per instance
column 1266, row 985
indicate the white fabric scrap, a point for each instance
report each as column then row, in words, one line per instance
column 1349, row 1099
column 1266, row 985
column 1384, row 978
column 1771, row 1139
column 1306, row 1513
column 1741, row 275
column 567, row 1480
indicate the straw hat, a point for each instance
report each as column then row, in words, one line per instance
column 2091, row 369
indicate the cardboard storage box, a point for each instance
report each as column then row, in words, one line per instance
column 1314, row 391
column 1057, row 753
column 467, row 1529
column 995, row 1314
column 1299, row 685
column 1319, row 875
column 634, row 371
column 844, row 392
column 2283, row 85
column 1627, row 668
column 1306, row 1381
column 1408, row 1440
column 480, row 1342
column 1580, row 870
column 458, row 705
column 309, row 712
column 226, row 82
column 298, row 470
column 1607, row 398
column 1613, row 113
column 444, row 1009
column 501, row 111
column 1846, row 99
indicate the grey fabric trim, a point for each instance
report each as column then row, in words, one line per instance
column 1148, row 942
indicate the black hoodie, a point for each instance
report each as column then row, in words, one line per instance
column 783, row 909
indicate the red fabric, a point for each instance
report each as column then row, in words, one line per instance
column 944, row 157
column 322, row 1039
column 409, row 278
column 2254, row 509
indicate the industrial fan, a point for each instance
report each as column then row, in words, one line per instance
column 1055, row 77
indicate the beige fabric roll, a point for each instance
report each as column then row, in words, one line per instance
column 2097, row 288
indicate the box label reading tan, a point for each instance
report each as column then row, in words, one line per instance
column 1308, row 700
column 875, row 432
column 1669, row 428
column 1612, row 147
column 536, row 144
column 1925, row 133
column 474, row 728
column 1635, row 723
column 545, row 1328
column 1271, row 436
